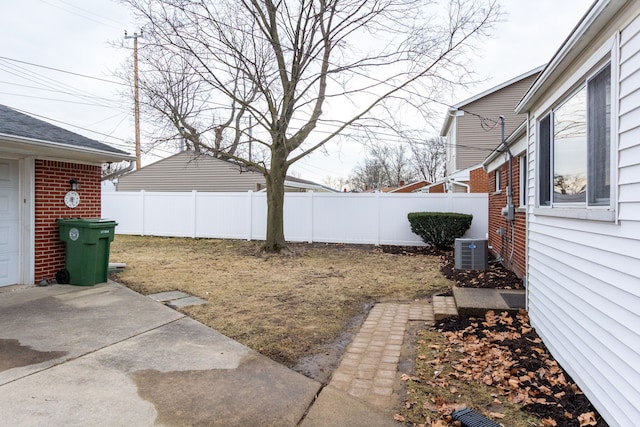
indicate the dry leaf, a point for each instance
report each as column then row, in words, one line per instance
column 399, row 418
column 587, row 419
column 497, row 415
column 549, row 422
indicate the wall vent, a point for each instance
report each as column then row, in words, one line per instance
column 471, row 254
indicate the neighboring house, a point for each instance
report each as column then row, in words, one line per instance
column 408, row 188
column 473, row 130
column 37, row 162
column 188, row 171
column 507, row 171
column 467, row 141
column 402, row 188
column 583, row 207
column 469, row 180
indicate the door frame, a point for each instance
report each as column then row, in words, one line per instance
column 26, row 251
column 26, row 217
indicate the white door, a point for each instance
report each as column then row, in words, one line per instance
column 9, row 222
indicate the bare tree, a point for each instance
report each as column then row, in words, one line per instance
column 307, row 71
column 335, row 182
column 369, row 175
column 386, row 166
column 429, row 158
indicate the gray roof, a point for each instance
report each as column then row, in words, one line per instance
column 22, row 125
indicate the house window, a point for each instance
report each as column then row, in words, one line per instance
column 498, row 180
column 523, row 180
column 574, row 147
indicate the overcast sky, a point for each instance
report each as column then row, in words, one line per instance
column 86, row 37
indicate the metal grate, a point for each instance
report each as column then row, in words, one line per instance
column 514, row 300
column 471, row 254
column 469, row 418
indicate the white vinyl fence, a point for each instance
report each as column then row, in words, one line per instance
column 369, row 218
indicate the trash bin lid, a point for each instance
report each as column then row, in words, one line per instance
column 87, row 222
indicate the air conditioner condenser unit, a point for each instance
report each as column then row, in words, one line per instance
column 471, row 254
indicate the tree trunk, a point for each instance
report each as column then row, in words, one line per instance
column 275, row 205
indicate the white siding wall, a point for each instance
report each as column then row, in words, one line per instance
column 584, row 276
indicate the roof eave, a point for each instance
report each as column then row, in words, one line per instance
column 447, row 121
column 498, row 87
column 41, row 148
column 587, row 28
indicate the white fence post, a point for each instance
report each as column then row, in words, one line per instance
column 249, row 215
column 142, row 203
column 194, row 217
column 377, row 193
column 310, row 210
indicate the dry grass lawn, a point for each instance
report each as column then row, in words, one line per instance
column 284, row 306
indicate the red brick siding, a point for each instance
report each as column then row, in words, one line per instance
column 51, row 184
column 478, row 181
column 497, row 200
column 437, row 189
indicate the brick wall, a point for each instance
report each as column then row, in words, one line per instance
column 478, row 180
column 514, row 233
column 51, row 184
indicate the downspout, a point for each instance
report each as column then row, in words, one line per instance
column 120, row 172
column 462, row 184
column 509, row 211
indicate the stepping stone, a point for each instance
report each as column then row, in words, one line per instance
column 183, row 302
column 444, row 307
column 168, row 296
column 476, row 302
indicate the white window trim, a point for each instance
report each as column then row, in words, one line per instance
column 608, row 53
column 522, row 179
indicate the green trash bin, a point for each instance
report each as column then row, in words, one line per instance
column 87, row 257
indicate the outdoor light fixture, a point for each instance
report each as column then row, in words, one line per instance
column 75, row 185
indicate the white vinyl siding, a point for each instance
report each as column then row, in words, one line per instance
column 584, row 276
column 629, row 112
column 187, row 171
column 470, row 144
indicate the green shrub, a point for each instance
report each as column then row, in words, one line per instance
column 439, row 229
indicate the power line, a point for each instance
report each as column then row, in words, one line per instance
column 52, row 90
column 69, row 124
column 52, row 84
column 106, row 18
column 62, row 71
column 54, row 99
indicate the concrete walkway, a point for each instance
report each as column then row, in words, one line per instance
column 105, row 355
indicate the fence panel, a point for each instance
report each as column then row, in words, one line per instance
column 365, row 218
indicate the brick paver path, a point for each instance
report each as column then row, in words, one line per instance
column 369, row 367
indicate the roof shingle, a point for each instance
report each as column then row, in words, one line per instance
column 22, row 125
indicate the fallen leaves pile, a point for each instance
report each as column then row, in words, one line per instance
column 504, row 353
column 495, row 276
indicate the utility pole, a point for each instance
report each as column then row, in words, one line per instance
column 136, row 97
